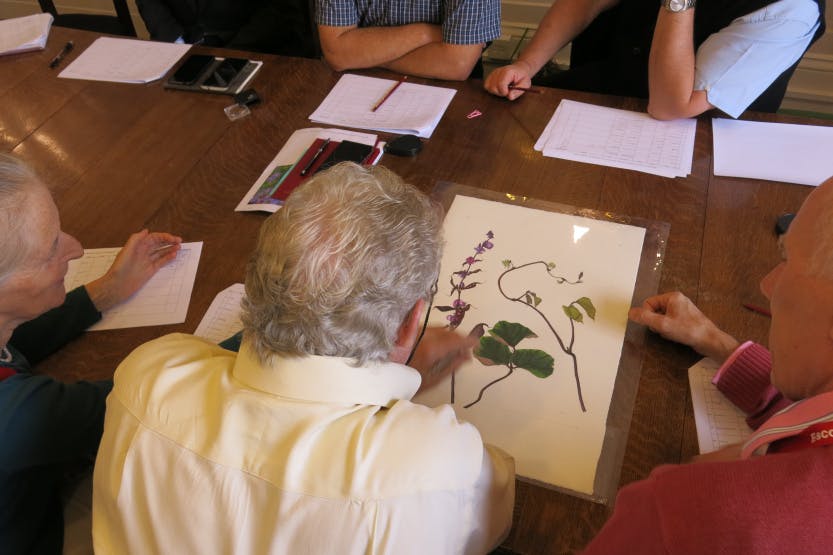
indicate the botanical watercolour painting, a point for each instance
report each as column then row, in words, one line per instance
column 548, row 295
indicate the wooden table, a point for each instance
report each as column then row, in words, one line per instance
column 123, row 157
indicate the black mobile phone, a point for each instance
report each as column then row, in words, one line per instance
column 346, row 151
column 193, row 68
column 223, row 74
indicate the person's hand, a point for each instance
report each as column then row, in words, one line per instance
column 141, row 257
column 675, row 317
column 439, row 353
column 518, row 74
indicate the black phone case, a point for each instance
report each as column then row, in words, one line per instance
column 347, row 151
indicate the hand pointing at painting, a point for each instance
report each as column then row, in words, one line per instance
column 439, row 353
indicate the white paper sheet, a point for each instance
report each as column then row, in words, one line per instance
column 412, row 108
column 125, row 60
column 22, row 34
column 619, row 138
column 719, row 422
column 222, row 319
column 774, row 151
column 258, row 198
column 164, row 298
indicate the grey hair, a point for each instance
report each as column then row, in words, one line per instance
column 16, row 180
column 338, row 268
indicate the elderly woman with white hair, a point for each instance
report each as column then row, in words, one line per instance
column 48, row 428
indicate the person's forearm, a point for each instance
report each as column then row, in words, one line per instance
column 439, row 60
column 671, row 68
column 357, row 48
column 564, row 20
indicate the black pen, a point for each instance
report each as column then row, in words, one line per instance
column 61, row 55
column 314, row 158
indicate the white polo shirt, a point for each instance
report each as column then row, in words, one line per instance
column 206, row 451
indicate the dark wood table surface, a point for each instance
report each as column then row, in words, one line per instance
column 123, row 157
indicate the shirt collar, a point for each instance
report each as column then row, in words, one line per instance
column 326, row 379
column 789, row 422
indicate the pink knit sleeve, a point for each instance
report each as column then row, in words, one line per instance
column 744, row 380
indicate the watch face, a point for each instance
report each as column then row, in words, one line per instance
column 676, row 5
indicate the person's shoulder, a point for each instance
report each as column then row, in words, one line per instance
column 175, row 352
column 431, row 441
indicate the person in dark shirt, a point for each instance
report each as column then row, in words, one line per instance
column 49, row 429
column 271, row 26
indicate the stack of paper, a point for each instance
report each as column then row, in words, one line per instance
column 619, row 138
column 125, row 60
column 775, row 151
column 263, row 195
column 22, row 34
column 411, row 109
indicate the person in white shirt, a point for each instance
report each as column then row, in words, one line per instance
column 307, row 441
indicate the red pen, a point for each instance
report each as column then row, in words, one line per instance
column 758, row 309
column 390, row 92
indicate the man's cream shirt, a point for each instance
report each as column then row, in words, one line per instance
column 206, row 451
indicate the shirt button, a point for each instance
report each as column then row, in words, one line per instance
column 636, row 51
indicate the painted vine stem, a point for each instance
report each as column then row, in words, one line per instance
column 531, row 300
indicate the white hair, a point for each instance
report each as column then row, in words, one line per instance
column 339, row 266
column 16, row 181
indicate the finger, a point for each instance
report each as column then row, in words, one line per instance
column 165, row 257
column 514, row 93
column 647, row 318
column 162, row 237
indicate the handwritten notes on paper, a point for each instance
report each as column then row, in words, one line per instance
column 719, row 422
column 775, row 151
column 125, row 60
column 164, row 298
column 619, row 138
column 412, row 108
column 222, row 319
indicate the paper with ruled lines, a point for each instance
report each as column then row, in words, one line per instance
column 719, row 422
column 411, row 108
column 619, row 138
column 162, row 300
column 222, row 319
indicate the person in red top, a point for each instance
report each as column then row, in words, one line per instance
column 769, row 495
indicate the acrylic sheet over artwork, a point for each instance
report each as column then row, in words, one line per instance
column 539, row 420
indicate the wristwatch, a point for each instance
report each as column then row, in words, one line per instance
column 676, row 6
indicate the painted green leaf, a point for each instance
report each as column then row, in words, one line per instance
column 588, row 307
column 506, row 263
column 537, row 299
column 491, row 352
column 573, row 313
column 536, row 361
column 527, row 298
column 444, row 308
column 550, row 265
column 511, row 333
